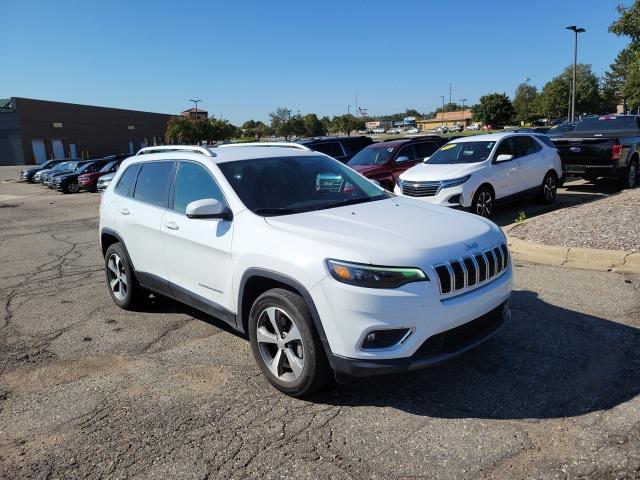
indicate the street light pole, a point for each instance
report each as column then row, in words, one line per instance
column 576, row 31
column 442, row 112
column 348, row 109
column 196, row 104
column 464, row 121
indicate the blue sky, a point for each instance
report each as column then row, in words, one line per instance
column 244, row 59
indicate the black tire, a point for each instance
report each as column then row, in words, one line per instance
column 631, row 178
column 484, row 202
column 71, row 188
column 289, row 310
column 129, row 295
column 549, row 188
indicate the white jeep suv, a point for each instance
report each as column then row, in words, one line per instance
column 326, row 272
column 479, row 171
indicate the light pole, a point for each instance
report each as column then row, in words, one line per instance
column 196, row 104
column 348, row 109
column 442, row 112
column 576, row 31
column 464, row 121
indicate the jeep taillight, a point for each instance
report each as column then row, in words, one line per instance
column 616, row 150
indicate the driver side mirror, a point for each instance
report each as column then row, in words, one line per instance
column 426, row 159
column 504, row 158
column 208, row 208
column 402, row 158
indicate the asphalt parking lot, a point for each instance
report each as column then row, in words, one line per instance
column 90, row 391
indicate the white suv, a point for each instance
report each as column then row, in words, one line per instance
column 479, row 171
column 325, row 271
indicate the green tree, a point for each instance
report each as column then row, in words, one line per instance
column 326, row 124
column 280, row 122
column 494, row 109
column 313, row 126
column 628, row 73
column 346, row 124
column 524, row 102
column 449, row 107
column 554, row 98
column 297, row 126
column 185, row 130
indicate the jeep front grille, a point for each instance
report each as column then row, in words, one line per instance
column 461, row 274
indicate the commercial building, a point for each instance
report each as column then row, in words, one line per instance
column 33, row 131
column 195, row 114
column 448, row 119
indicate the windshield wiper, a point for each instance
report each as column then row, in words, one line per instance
column 276, row 211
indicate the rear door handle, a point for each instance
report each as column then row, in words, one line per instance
column 125, row 211
column 171, row 225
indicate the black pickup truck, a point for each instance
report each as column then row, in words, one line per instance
column 606, row 146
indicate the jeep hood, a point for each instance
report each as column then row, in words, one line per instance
column 396, row 231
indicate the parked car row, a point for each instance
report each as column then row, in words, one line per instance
column 74, row 175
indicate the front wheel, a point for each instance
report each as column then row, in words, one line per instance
column 120, row 277
column 483, row 202
column 285, row 344
column 549, row 188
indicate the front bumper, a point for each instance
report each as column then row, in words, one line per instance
column 447, row 197
column 436, row 349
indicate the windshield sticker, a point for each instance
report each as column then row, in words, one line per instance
column 448, row 147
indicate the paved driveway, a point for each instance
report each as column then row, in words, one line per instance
column 90, row 391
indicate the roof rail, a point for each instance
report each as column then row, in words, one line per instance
column 296, row 146
column 173, row 148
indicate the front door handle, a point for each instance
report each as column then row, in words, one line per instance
column 125, row 211
column 171, row 225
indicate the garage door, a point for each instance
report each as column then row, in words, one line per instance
column 39, row 152
column 58, row 148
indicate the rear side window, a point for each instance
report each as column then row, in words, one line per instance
column 333, row 149
column 546, row 140
column 524, row 146
column 153, row 181
column 194, row 182
column 127, row 180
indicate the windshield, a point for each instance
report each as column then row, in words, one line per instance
column 461, row 152
column 107, row 167
column 286, row 185
column 372, row 155
column 61, row 166
column 607, row 123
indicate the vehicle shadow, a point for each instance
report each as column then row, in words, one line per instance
column 574, row 193
column 548, row 362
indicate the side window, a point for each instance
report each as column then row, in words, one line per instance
column 127, row 179
column 353, row 146
column 425, row 149
column 505, row 148
column 408, row 152
column 153, row 181
column 546, row 140
column 333, row 149
column 194, row 182
column 528, row 146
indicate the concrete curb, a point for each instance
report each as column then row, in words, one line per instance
column 574, row 257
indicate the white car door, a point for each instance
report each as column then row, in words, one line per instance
column 504, row 174
column 145, row 191
column 530, row 161
column 198, row 251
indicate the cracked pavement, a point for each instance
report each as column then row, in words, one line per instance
column 91, row 391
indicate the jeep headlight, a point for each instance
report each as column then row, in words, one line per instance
column 371, row 276
column 455, row 181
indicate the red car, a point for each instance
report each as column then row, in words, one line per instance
column 385, row 161
column 89, row 181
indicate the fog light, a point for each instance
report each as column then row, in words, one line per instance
column 455, row 199
column 385, row 338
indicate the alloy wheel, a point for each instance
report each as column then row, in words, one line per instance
column 73, row 187
column 550, row 189
column 280, row 344
column 484, row 205
column 117, row 277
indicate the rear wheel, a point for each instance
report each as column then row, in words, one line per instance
column 483, row 202
column 71, row 188
column 632, row 177
column 285, row 344
column 549, row 188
